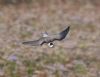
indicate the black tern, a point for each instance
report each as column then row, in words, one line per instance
column 48, row 39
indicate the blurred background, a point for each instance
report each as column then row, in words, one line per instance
column 78, row 55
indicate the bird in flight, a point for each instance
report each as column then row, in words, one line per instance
column 48, row 39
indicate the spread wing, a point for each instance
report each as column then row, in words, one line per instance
column 34, row 43
column 59, row 36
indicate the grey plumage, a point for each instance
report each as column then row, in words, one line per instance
column 50, row 38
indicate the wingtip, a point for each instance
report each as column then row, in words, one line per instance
column 68, row 27
column 24, row 42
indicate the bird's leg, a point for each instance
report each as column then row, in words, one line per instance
column 51, row 44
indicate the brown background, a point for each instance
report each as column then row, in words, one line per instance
column 78, row 55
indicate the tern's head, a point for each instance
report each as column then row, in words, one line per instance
column 50, row 44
